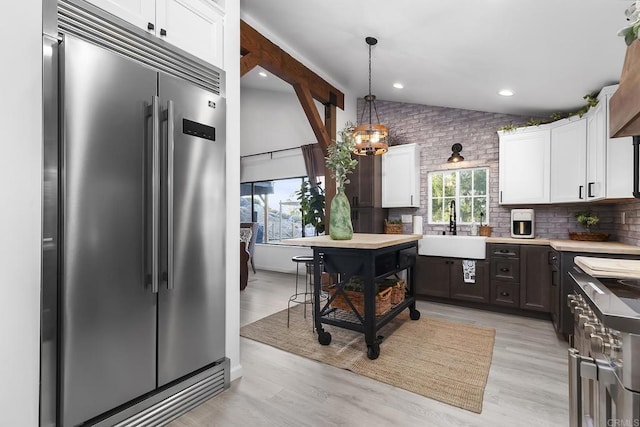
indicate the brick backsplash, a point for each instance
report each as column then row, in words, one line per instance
column 436, row 129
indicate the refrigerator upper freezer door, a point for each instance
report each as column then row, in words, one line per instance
column 191, row 311
column 108, row 316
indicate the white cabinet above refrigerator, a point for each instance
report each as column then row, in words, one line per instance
column 196, row 26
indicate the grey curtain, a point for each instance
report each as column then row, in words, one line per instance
column 313, row 160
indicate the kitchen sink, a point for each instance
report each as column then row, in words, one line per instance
column 468, row 247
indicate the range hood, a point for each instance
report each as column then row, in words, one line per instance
column 624, row 107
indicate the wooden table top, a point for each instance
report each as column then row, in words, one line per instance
column 359, row 241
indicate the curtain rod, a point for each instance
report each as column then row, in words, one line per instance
column 270, row 152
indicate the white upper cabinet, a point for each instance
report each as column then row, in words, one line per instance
column 619, row 183
column 192, row 25
column 579, row 163
column 568, row 160
column 141, row 13
column 195, row 26
column 401, row 177
column 524, row 163
column 596, row 152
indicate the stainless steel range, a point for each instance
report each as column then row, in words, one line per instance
column 604, row 363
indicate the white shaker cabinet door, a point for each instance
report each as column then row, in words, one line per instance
column 524, row 161
column 596, row 153
column 568, row 161
column 141, row 13
column 195, row 26
column 401, row 177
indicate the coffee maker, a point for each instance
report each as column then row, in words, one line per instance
column 522, row 223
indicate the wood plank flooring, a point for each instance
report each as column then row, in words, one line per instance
column 527, row 384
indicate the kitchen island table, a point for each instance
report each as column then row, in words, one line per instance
column 371, row 257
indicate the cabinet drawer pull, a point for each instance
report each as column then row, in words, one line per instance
column 504, row 294
column 504, row 270
column 150, row 26
column 504, row 251
column 163, row 32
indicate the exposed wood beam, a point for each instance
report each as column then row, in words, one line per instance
column 247, row 62
column 278, row 62
column 309, row 107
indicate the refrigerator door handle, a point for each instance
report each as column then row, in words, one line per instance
column 155, row 194
column 170, row 175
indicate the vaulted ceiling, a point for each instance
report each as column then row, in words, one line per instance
column 452, row 53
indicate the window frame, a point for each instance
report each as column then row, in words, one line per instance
column 293, row 202
column 457, row 196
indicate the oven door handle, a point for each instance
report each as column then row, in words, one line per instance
column 606, row 378
column 575, row 389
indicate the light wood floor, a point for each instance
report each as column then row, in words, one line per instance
column 527, row 384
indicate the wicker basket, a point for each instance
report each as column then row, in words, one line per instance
column 390, row 228
column 397, row 290
column 485, row 230
column 383, row 300
column 588, row 237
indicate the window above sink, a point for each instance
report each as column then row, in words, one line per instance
column 469, row 188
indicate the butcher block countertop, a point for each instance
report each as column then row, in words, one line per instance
column 565, row 245
column 607, row 267
column 359, row 241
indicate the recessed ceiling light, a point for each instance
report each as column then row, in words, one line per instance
column 398, row 85
column 262, row 74
column 506, row 92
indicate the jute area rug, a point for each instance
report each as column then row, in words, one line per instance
column 438, row 359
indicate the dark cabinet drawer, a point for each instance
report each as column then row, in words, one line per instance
column 505, row 269
column 507, row 294
column 502, row 250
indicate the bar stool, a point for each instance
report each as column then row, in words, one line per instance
column 305, row 297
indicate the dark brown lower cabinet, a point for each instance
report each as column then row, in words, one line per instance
column 478, row 291
column 535, row 278
column 443, row 277
column 432, row 276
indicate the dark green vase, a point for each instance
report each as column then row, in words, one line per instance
column 340, row 227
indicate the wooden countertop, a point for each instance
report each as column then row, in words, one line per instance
column 359, row 241
column 608, row 267
column 566, row 245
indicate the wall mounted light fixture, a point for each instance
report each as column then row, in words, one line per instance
column 370, row 137
column 455, row 155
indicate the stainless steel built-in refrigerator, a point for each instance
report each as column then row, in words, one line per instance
column 141, row 210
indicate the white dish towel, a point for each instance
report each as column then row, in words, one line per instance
column 469, row 270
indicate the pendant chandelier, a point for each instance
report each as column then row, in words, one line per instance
column 370, row 137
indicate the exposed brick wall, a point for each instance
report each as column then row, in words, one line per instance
column 436, row 129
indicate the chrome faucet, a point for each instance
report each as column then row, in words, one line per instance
column 452, row 218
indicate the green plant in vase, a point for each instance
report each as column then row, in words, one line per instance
column 341, row 164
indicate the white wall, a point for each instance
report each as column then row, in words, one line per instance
column 273, row 120
column 232, row 68
column 278, row 257
column 20, row 214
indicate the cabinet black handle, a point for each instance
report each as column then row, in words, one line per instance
column 636, row 167
column 163, row 32
column 150, row 26
column 504, row 294
column 504, row 270
column 504, row 251
column 412, row 200
column 500, row 196
column 589, row 188
column 580, row 192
